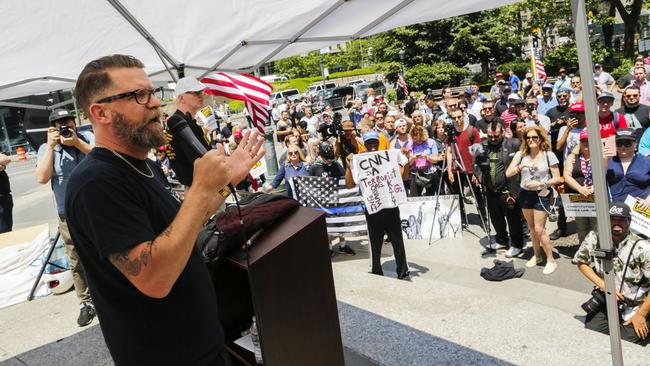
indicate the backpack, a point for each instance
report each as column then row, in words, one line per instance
column 616, row 120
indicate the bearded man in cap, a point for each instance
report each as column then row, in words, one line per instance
column 64, row 150
column 631, row 265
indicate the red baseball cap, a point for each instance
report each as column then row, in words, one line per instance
column 237, row 135
column 583, row 134
column 577, row 107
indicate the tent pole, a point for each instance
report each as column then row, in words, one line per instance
column 598, row 169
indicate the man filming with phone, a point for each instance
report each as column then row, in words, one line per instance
column 64, row 150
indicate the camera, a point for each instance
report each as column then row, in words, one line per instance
column 451, row 132
column 531, row 107
column 593, row 305
column 65, row 131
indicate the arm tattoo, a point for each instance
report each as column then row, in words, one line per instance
column 132, row 267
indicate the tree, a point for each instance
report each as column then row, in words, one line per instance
column 629, row 12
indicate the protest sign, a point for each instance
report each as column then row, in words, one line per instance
column 577, row 205
column 206, row 116
column 640, row 218
column 258, row 169
column 417, row 216
column 377, row 175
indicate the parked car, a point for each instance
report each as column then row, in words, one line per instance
column 361, row 89
column 278, row 97
column 273, row 78
column 315, row 88
column 355, row 82
column 336, row 96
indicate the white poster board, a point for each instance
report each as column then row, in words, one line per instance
column 377, row 175
column 258, row 169
column 577, row 205
column 640, row 218
column 418, row 213
column 206, row 118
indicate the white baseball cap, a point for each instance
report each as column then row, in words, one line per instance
column 188, row 84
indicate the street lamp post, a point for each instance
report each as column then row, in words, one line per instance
column 401, row 57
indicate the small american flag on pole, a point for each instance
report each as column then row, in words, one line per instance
column 344, row 208
column 255, row 93
column 537, row 65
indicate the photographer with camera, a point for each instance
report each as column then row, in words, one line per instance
column 500, row 191
column 462, row 136
column 64, row 150
column 631, row 265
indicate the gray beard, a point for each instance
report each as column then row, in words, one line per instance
column 137, row 135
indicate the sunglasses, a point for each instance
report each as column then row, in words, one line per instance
column 491, row 137
column 632, row 96
column 624, row 143
column 453, row 106
column 488, row 109
column 533, row 138
column 292, row 153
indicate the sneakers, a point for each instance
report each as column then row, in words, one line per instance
column 86, row 314
column 549, row 268
column 557, row 234
column 513, row 252
column 344, row 248
column 532, row 262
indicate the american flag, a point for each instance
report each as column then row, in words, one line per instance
column 344, row 208
column 255, row 93
column 537, row 64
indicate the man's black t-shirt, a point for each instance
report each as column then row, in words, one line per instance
column 327, row 131
column 4, row 183
column 334, row 170
column 110, row 208
column 181, row 155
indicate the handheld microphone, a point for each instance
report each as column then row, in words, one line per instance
column 181, row 130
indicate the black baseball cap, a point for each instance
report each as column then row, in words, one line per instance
column 619, row 209
column 626, row 134
column 59, row 114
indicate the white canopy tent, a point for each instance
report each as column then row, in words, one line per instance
column 45, row 44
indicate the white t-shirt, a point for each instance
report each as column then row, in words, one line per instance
column 572, row 140
column 312, row 122
column 540, row 171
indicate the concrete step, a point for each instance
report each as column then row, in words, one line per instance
column 448, row 314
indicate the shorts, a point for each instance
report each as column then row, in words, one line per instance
column 530, row 200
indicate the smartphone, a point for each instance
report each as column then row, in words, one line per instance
column 610, row 142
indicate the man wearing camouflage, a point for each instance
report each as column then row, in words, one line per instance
column 631, row 252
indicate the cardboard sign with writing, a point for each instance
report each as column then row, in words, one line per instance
column 640, row 218
column 377, row 175
column 577, row 205
column 206, row 116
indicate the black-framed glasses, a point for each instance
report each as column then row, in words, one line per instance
column 532, row 138
column 631, row 95
column 488, row 108
column 623, row 143
column 142, row 96
column 291, row 153
column 493, row 137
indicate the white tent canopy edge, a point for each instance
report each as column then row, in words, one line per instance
column 46, row 44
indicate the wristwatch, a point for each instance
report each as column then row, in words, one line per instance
column 224, row 192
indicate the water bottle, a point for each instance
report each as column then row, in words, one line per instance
column 257, row 347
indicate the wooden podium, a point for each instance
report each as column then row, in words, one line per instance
column 287, row 285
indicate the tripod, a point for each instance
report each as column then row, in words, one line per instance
column 459, row 166
column 30, row 297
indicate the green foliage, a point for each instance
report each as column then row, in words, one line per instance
column 435, row 76
column 391, row 95
column 236, row 106
column 299, row 83
column 298, row 66
column 520, row 67
column 566, row 55
column 352, row 57
column 623, row 69
column 390, row 70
